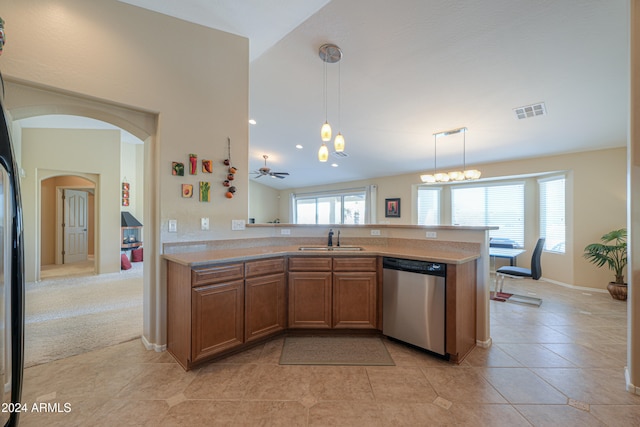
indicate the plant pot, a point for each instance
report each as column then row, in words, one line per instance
column 617, row 291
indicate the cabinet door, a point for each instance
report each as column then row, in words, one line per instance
column 354, row 300
column 310, row 299
column 217, row 318
column 265, row 306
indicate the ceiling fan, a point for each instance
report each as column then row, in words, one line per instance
column 265, row 171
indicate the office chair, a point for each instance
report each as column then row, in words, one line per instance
column 535, row 272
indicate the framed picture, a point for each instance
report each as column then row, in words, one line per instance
column 392, row 208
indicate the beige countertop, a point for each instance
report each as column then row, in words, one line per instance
column 195, row 259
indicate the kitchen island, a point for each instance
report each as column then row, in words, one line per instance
column 224, row 300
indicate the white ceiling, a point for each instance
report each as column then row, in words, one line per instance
column 415, row 67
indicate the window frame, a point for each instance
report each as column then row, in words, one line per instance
column 341, row 194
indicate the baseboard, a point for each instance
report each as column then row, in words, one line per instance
column 149, row 346
column 484, row 344
column 630, row 387
column 578, row 288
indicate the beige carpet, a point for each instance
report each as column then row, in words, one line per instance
column 65, row 316
column 329, row 350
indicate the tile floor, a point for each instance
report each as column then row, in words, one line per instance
column 561, row 364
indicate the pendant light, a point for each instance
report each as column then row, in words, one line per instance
column 338, row 143
column 463, row 175
column 330, row 54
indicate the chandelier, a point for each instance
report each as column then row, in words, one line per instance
column 330, row 54
column 459, row 175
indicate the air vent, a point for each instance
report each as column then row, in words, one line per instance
column 341, row 154
column 533, row 110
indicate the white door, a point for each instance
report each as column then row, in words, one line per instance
column 75, row 226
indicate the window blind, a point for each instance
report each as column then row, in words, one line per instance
column 552, row 213
column 494, row 205
column 428, row 205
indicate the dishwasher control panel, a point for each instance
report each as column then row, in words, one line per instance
column 415, row 266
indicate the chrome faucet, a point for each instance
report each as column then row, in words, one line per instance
column 330, row 242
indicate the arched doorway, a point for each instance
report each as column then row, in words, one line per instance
column 23, row 101
column 67, row 249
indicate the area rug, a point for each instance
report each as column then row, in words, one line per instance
column 500, row 296
column 323, row 350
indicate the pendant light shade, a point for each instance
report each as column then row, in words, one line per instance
column 338, row 143
column 325, row 132
column 323, row 153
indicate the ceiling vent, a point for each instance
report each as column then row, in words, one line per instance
column 533, row 110
column 340, row 154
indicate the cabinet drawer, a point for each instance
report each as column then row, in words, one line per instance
column 263, row 267
column 355, row 264
column 310, row 264
column 216, row 274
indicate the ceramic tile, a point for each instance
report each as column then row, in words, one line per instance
column 555, row 415
column 344, row 413
column 535, row 355
column 521, row 385
column 405, row 384
column 617, row 415
column 463, row 385
column 415, row 414
column 340, row 383
column 271, row 413
column 221, row 381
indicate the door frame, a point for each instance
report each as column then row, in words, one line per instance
column 60, row 216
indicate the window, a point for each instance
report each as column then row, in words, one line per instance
column 552, row 213
column 346, row 207
column 496, row 205
column 428, row 205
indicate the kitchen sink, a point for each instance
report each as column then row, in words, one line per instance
column 330, row 248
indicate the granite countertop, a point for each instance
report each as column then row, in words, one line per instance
column 195, row 259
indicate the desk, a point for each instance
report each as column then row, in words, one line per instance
column 509, row 253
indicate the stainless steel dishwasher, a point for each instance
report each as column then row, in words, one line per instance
column 413, row 302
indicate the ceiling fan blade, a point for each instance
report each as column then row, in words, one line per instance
column 280, row 173
column 278, row 176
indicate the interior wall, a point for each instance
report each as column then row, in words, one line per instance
column 48, row 226
column 595, row 204
column 73, row 152
column 263, row 202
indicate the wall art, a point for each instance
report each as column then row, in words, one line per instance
column 205, row 188
column 177, row 169
column 392, row 208
column 207, row 166
column 193, row 164
column 187, row 190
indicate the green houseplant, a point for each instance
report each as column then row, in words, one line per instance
column 612, row 252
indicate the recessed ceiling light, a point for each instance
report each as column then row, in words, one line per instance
column 335, row 165
column 252, row 122
column 299, row 147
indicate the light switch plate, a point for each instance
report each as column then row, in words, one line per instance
column 375, row 232
column 204, row 224
column 237, row 224
column 285, row 231
column 173, row 226
column 432, row 235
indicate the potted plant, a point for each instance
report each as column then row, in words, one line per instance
column 612, row 251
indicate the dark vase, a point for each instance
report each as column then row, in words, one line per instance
column 617, row 291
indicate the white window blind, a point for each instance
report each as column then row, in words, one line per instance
column 428, row 205
column 495, row 205
column 552, row 213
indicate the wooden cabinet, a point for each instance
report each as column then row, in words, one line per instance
column 265, row 298
column 310, row 292
column 355, row 292
column 338, row 292
column 205, row 310
column 217, row 318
